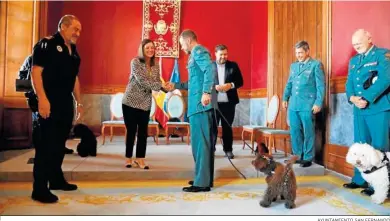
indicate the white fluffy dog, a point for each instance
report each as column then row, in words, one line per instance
column 374, row 167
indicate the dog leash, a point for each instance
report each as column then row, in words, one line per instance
column 216, row 125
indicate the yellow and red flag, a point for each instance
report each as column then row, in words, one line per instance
column 160, row 114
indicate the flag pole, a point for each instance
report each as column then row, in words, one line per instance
column 160, row 66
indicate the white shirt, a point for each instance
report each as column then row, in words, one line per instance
column 222, row 96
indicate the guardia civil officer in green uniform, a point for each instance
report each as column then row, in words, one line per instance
column 200, row 112
column 367, row 88
column 304, row 96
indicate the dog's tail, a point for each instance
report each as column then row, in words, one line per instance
column 291, row 161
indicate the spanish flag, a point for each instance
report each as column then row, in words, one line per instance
column 160, row 114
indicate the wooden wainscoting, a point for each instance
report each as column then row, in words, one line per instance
column 335, row 159
column 337, row 84
column 17, row 128
column 103, row 89
column 113, row 89
column 252, row 93
column 286, row 27
column 15, row 117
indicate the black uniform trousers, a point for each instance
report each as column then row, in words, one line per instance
column 49, row 138
column 228, row 110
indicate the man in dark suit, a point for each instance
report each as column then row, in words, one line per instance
column 227, row 80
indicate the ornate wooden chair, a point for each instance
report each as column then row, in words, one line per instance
column 116, row 116
column 271, row 134
column 153, row 124
column 175, row 109
column 272, row 113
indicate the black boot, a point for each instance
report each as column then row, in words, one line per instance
column 191, row 182
column 229, row 154
column 44, row 196
column 64, row 187
column 354, row 185
column 196, row 189
column 305, row 163
column 367, row 192
column 68, row 151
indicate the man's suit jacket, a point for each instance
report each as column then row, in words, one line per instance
column 232, row 75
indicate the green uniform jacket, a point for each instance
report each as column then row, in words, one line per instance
column 201, row 79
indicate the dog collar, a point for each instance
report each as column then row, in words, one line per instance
column 385, row 157
column 373, row 169
column 272, row 164
column 385, row 160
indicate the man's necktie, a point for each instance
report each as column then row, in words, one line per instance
column 301, row 66
column 362, row 58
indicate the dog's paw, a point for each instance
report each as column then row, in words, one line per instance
column 289, row 205
column 264, row 203
column 377, row 199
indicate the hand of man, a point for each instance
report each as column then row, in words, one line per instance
column 316, row 109
column 80, row 112
column 358, row 101
column 223, row 87
column 285, row 104
column 169, row 86
column 44, row 108
column 206, row 98
column 165, row 86
column 354, row 99
column 227, row 86
column 361, row 104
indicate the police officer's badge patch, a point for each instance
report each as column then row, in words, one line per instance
column 59, row 48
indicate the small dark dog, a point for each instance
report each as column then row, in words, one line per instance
column 280, row 179
column 88, row 142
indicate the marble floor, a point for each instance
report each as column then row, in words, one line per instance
column 106, row 187
column 172, row 161
column 316, row 195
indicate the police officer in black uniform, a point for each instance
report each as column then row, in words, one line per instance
column 54, row 77
column 25, row 74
